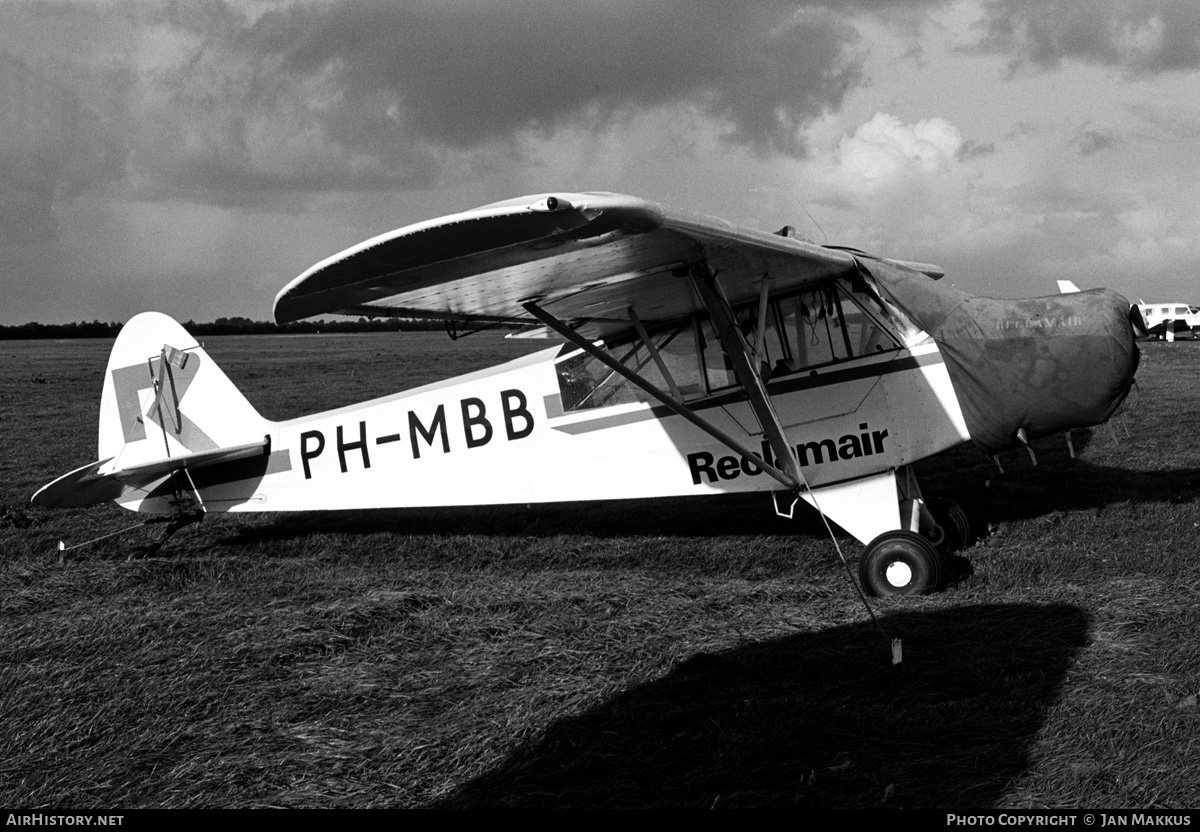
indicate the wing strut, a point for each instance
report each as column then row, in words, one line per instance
column 658, row 359
column 738, row 352
column 675, row 405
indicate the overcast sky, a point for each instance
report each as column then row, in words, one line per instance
column 192, row 157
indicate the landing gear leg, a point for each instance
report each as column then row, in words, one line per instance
column 189, row 508
column 954, row 522
column 941, row 521
column 914, row 559
column 174, row 524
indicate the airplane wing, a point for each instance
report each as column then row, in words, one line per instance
column 587, row 257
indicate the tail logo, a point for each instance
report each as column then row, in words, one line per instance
column 153, row 390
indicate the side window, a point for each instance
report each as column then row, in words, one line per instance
column 1181, row 310
column 828, row 325
column 677, row 348
column 766, row 348
column 585, row 383
column 718, row 372
column 820, row 326
column 812, row 330
column 865, row 324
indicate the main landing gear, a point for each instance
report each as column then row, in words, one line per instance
column 953, row 523
column 903, row 562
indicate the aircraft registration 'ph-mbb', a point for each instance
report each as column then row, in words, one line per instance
column 699, row 358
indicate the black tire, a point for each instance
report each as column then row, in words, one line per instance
column 900, row 563
column 954, row 522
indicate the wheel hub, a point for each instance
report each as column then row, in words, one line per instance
column 899, row 573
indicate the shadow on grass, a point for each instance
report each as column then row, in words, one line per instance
column 1058, row 482
column 748, row 514
column 814, row 720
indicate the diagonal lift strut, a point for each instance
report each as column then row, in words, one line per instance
column 738, row 352
column 787, row 479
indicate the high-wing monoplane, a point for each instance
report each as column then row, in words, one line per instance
column 696, row 357
column 1170, row 321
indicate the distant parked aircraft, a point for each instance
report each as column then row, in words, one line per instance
column 1171, row 320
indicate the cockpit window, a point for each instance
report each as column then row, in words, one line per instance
column 718, row 371
column 828, row 325
column 812, row 328
column 766, row 349
column 585, row 382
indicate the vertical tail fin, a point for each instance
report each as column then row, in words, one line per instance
column 164, row 397
column 166, row 408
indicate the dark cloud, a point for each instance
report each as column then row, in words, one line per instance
column 1089, row 142
column 54, row 143
column 468, row 74
column 1140, row 36
column 972, row 149
column 202, row 101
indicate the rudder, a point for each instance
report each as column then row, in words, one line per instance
column 164, row 397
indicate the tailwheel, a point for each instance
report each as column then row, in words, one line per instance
column 900, row 563
column 953, row 520
column 174, row 523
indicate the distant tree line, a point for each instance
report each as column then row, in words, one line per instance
column 224, row 326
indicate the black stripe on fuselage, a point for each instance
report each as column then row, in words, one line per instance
column 814, row 379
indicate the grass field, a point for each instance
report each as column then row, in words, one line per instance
column 653, row 653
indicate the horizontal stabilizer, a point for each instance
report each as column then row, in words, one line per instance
column 80, row 488
column 89, row 486
column 199, row 459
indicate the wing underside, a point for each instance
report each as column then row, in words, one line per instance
column 589, row 258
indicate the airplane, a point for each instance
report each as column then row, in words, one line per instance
column 696, row 358
column 1167, row 321
column 1170, row 320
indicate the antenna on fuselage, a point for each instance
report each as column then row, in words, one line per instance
column 818, row 225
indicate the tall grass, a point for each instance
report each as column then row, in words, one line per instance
column 652, row 653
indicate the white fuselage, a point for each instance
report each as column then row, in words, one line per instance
column 501, row 436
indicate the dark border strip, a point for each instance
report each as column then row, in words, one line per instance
column 810, row 381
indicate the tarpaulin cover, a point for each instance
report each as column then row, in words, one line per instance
column 1044, row 364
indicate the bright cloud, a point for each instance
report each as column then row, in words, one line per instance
column 892, row 186
column 884, row 149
